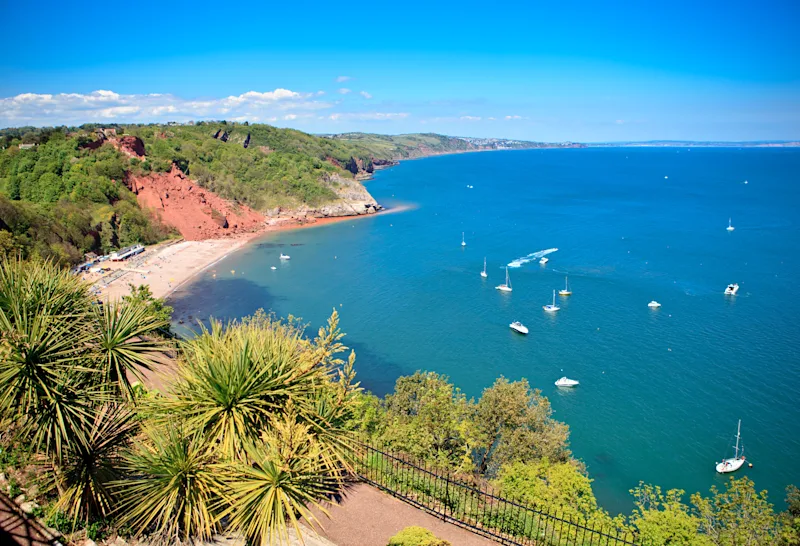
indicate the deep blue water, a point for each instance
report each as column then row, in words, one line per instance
column 661, row 391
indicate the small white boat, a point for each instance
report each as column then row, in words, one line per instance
column 285, row 256
column 517, row 326
column 273, row 267
column 463, row 242
column 654, row 304
column 730, row 227
column 483, row 273
column 551, row 308
column 566, row 291
column 507, row 286
column 735, row 463
column 567, row 382
column 732, row 289
column 544, row 260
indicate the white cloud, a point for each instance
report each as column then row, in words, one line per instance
column 620, row 121
column 514, row 117
column 342, row 79
column 104, row 105
column 365, row 95
column 368, row 116
column 470, row 118
column 344, row 91
column 290, row 117
column 491, row 119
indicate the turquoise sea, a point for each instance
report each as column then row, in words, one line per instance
column 661, row 391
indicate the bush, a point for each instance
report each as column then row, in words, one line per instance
column 416, row 536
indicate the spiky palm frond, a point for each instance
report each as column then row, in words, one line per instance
column 285, row 473
column 175, row 488
column 45, row 340
column 89, row 467
column 124, row 344
column 232, row 380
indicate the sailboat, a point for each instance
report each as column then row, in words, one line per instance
column 730, row 227
column 734, row 464
column 483, row 273
column 566, row 291
column 552, row 308
column 463, row 242
column 507, row 286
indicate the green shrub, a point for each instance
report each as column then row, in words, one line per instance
column 416, row 536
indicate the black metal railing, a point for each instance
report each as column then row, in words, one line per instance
column 475, row 506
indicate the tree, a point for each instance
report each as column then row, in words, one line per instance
column 428, row 418
column 739, row 515
column 514, row 423
column 141, row 295
column 790, row 519
column 661, row 518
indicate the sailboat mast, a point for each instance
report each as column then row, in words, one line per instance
column 738, row 434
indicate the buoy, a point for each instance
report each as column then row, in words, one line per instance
column 751, row 464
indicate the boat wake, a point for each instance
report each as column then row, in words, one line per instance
column 519, row 262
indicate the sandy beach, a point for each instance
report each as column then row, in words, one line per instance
column 167, row 266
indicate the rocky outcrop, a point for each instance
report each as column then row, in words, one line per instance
column 195, row 212
column 131, row 146
column 353, row 199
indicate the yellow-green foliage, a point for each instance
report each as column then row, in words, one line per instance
column 416, row 536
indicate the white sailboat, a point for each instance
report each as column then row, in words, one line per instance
column 552, row 308
column 285, row 256
column 463, row 242
column 654, row 304
column 483, row 273
column 507, row 286
column 734, row 464
column 544, row 260
column 566, row 291
column 517, row 326
column 730, row 227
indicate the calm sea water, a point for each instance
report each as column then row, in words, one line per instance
column 661, row 391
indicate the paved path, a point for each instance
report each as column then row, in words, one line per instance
column 18, row 529
column 368, row 517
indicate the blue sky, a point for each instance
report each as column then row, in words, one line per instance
column 580, row 71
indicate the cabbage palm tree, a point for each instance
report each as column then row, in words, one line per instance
column 174, row 488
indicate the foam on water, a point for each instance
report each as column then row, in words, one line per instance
column 519, row 262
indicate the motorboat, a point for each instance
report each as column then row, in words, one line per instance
column 730, row 227
column 566, row 291
column 654, row 304
column 483, row 273
column 567, row 382
column 273, row 267
column 552, row 308
column 735, row 463
column 732, row 289
column 285, row 256
column 543, row 260
column 517, row 326
column 507, row 286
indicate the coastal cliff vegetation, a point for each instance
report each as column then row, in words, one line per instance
column 66, row 191
column 255, row 422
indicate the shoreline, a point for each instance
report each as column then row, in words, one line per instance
column 168, row 266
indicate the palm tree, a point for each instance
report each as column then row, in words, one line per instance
column 174, row 487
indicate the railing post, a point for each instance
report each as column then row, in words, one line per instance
column 446, row 493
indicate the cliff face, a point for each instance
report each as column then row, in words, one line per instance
column 195, row 212
column 353, row 200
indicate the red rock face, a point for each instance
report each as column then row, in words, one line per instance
column 129, row 145
column 195, row 212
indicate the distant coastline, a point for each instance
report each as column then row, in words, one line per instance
column 696, row 144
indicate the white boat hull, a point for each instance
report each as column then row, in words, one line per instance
column 518, row 328
column 566, row 382
column 550, row 308
column 483, row 274
column 730, row 465
column 503, row 288
column 564, row 293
